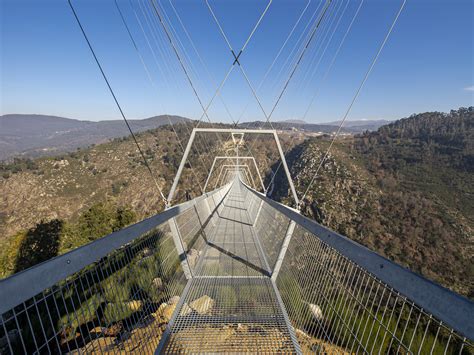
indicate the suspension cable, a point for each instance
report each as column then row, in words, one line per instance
column 117, row 103
column 367, row 74
column 328, row 2
column 307, row 44
column 199, row 57
column 152, row 83
column 156, row 32
column 277, row 56
column 237, row 56
column 328, row 70
column 168, row 35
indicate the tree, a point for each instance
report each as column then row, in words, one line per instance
column 40, row 244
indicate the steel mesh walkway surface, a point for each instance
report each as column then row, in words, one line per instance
column 230, row 305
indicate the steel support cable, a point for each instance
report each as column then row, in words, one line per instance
column 297, row 44
column 315, row 55
column 277, row 56
column 285, row 126
column 236, row 57
column 156, row 31
column 154, row 55
column 168, row 35
column 152, row 81
column 364, row 80
column 203, row 142
column 333, row 60
column 300, row 49
column 328, row 2
column 186, row 57
column 154, row 36
column 308, row 42
column 199, row 57
column 307, row 78
column 116, row 101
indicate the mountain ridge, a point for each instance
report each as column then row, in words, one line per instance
column 31, row 135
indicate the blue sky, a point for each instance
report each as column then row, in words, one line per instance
column 47, row 68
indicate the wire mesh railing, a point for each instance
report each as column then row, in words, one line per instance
column 343, row 298
column 230, row 271
column 113, row 295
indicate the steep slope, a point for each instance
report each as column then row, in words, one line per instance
column 91, row 191
column 404, row 191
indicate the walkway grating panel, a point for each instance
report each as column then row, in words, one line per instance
column 230, row 315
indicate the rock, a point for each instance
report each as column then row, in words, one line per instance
column 157, row 283
column 202, row 305
column 97, row 330
column 135, row 305
column 192, row 256
column 185, row 310
column 147, row 252
column 159, row 311
column 316, row 311
column 113, row 330
column 168, row 312
column 173, row 300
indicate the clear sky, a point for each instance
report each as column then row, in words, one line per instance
column 46, row 66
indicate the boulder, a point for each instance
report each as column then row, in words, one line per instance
column 202, row 305
column 113, row 330
column 168, row 312
column 157, row 283
column 185, row 310
column 147, row 252
column 316, row 311
column 173, row 300
column 192, row 256
column 135, row 305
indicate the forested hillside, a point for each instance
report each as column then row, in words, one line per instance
column 405, row 191
column 51, row 205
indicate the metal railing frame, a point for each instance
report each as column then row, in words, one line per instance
column 444, row 304
column 234, row 158
column 26, row 284
column 232, row 131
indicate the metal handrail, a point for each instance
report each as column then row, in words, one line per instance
column 26, row 284
column 444, row 304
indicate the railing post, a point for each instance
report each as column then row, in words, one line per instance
column 284, row 248
column 287, row 171
column 178, row 242
column 181, row 166
column 258, row 213
column 210, row 173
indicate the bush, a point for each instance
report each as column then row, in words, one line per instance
column 40, row 244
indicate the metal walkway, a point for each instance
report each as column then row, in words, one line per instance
column 229, row 272
column 231, row 297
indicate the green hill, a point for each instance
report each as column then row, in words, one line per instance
column 404, row 190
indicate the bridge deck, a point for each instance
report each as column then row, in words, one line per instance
column 231, row 303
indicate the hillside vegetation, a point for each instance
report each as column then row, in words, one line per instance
column 404, row 191
column 84, row 195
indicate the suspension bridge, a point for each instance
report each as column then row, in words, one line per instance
column 230, row 271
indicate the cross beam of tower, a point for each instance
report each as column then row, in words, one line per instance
column 237, row 158
column 231, row 131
